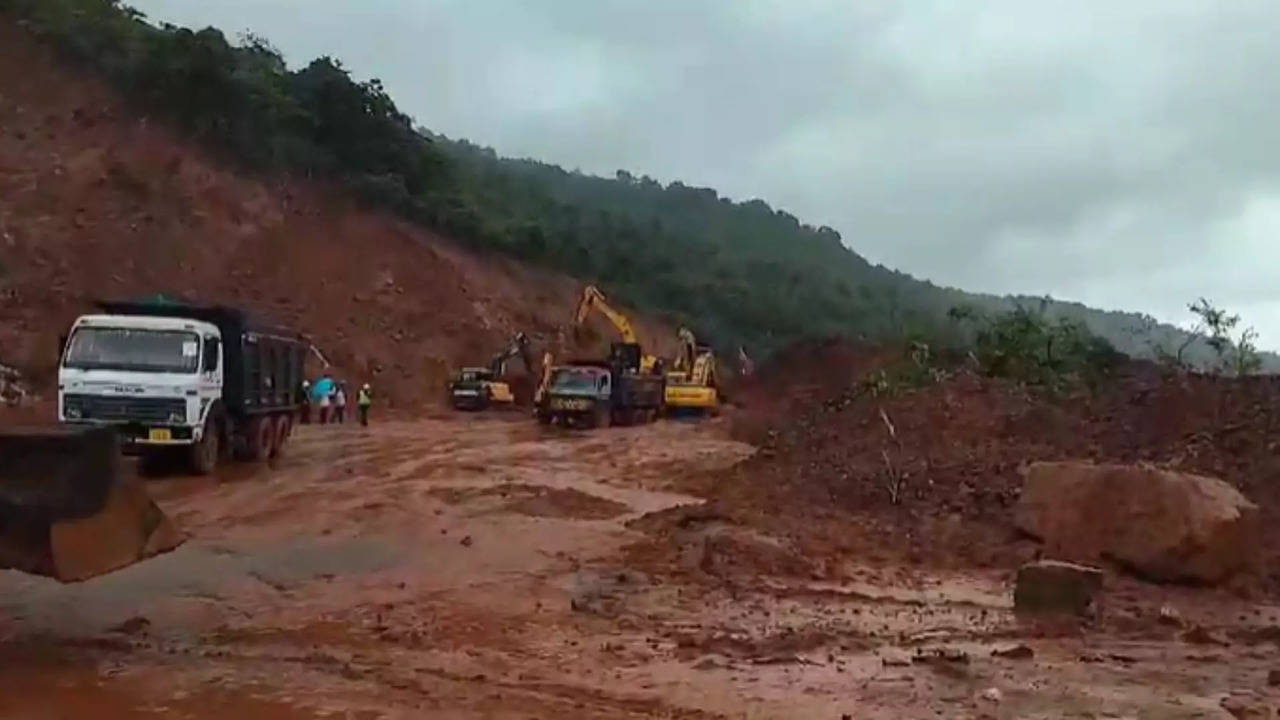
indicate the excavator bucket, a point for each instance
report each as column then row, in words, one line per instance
column 66, row 509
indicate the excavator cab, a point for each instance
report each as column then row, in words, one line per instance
column 66, row 509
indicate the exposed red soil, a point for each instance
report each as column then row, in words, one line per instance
column 101, row 204
column 823, row 476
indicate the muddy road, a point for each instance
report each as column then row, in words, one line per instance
column 481, row 567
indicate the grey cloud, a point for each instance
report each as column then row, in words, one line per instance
column 1121, row 154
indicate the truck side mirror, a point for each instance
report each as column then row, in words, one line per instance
column 210, row 360
column 62, row 346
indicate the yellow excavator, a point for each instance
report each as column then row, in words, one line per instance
column 692, row 383
column 478, row 388
column 593, row 299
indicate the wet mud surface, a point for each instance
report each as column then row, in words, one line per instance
column 482, row 567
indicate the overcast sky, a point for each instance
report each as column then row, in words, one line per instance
column 1124, row 154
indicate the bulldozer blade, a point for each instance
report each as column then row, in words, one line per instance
column 66, row 509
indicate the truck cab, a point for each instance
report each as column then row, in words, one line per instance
column 578, row 394
column 154, row 378
column 172, row 376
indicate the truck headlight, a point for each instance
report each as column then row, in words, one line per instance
column 177, row 416
column 71, row 412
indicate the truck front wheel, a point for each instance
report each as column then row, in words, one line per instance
column 204, row 454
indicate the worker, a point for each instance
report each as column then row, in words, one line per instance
column 305, row 399
column 322, row 393
column 363, row 400
column 340, row 403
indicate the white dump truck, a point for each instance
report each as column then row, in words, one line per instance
column 170, row 377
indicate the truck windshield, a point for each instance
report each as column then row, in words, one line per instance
column 170, row 351
column 575, row 380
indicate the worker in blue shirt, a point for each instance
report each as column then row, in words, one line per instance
column 321, row 394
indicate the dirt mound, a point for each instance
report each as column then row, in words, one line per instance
column 798, row 377
column 100, row 203
column 951, row 454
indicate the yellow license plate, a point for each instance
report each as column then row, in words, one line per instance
column 160, row 435
column 570, row 404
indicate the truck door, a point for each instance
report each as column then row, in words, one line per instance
column 211, row 364
column 604, row 390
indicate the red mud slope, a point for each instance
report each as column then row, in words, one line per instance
column 823, row 477
column 97, row 202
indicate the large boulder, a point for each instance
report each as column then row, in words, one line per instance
column 1163, row 525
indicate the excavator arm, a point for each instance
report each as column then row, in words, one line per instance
column 687, row 357
column 593, row 299
column 519, row 347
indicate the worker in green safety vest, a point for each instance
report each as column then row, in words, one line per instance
column 363, row 400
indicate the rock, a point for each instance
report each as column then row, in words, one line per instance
column 135, row 625
column 895, row 658
column 941, row 655
column 1247, row 706
column 466, row 541
column 1055, row 586
column 1017, row 652
column 1199, row 635
column 992, row 694
column 708, row 663
column 1163, row 525
column 1170, row 616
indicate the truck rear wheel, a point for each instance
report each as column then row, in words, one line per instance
column 262, row 435
column 283, row 426
column 204, row 454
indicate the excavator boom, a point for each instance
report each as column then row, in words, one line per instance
column 519, row 347
column 593, row 299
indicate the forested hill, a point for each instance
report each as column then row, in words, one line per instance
column 738, row 272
